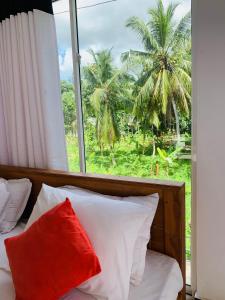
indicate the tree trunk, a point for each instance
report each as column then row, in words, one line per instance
column 177, row 121
column 113, row 157
column 153, row 147
column 143, row 148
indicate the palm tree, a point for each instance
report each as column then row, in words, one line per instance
column 164, row 82
column 103, row 79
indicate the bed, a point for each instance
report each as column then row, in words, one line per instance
column 167, row 246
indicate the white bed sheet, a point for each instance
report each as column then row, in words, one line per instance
column 162, row 277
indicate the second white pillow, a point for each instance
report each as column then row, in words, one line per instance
column 151, row 202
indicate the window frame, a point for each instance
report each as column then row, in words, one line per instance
column 77, row 82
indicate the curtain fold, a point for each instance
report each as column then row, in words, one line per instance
column 31, row 117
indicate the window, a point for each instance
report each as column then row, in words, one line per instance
column 133, row 92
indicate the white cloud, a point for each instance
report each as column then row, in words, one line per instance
column 66, row 65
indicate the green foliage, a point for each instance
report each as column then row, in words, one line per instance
column 169, row 158
column 68, row 100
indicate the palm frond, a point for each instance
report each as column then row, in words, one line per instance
column 92, row 53
column 109, row 129
column 154, row 119
column 135, row 61
column 185, row 78
column 160, row 23
column 165, row 90
column 114, row 77
column 91, row 74
column 134, row 53
column 183, row 28
column 157, row 86
column 171, row 11
column 97, row 98
column 181, row 94
column 145, row 91
column 139, row 26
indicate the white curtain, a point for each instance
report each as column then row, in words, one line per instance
column 31, row 116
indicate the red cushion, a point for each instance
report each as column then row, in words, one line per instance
column 53, row 256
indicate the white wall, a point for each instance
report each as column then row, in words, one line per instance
column 209, row 145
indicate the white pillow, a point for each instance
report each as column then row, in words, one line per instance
column 19, row 192
column 4, row 263
column 142, row 241
column 112, row 227
column 4, row 196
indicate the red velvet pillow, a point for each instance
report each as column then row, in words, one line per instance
column 53, row 256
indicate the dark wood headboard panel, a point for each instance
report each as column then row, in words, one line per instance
column 168, row 230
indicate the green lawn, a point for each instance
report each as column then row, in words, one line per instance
column 129, row 159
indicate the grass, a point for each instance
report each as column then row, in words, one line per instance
column 132, row 157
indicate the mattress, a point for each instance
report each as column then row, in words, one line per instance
column 162, row 278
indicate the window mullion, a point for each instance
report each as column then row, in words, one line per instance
column 77, row 83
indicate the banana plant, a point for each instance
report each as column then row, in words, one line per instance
column 168, row 158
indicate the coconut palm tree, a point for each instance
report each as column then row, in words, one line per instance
column 164, row 81
column 104, row 81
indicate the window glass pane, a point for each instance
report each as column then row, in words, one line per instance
column 62, row 20
column 136, row 87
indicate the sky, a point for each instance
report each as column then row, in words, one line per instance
column 102, row 27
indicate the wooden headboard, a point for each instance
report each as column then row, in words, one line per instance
column 168, row 230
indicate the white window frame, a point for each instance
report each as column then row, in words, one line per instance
column 77, row 83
